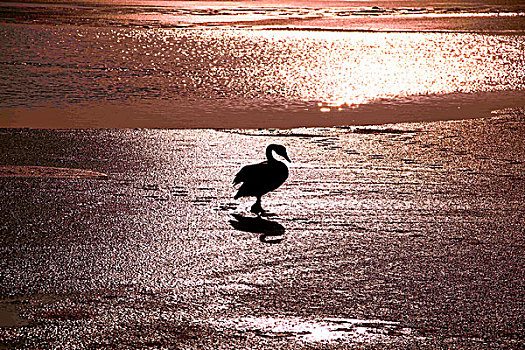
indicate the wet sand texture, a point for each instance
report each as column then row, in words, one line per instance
column 397, row 236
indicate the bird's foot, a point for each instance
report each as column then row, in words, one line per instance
column 257, row 209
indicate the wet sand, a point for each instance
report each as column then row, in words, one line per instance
column 48, row 172
column 390, row 236
column 203, row 114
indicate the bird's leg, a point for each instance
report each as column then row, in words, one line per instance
column 257, row 208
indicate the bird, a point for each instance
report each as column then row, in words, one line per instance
column 261, row 178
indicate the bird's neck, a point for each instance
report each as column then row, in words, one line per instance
column 269, row 154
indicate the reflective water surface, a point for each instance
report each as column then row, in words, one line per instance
column 327, row 330
column 181, row 77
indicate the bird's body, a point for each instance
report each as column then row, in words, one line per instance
column 259, row 179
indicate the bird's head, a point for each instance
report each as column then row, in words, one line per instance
column 278, row 149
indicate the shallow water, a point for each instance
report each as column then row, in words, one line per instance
column 70, row 76
column 416, row 227
column 114, row 64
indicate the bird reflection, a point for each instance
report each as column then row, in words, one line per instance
column 269, row 229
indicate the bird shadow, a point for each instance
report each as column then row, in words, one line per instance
column 270, row 230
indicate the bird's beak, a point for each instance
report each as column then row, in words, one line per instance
column 286, row 157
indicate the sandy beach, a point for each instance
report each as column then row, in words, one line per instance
column 392, row 236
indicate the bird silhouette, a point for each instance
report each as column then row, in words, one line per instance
column 259, row 179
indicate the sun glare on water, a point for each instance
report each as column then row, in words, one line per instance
column 204, row 70
column 349, row 69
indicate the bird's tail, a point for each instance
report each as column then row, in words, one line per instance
column 239, row 194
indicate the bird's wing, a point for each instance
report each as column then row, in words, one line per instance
column 248, row 172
